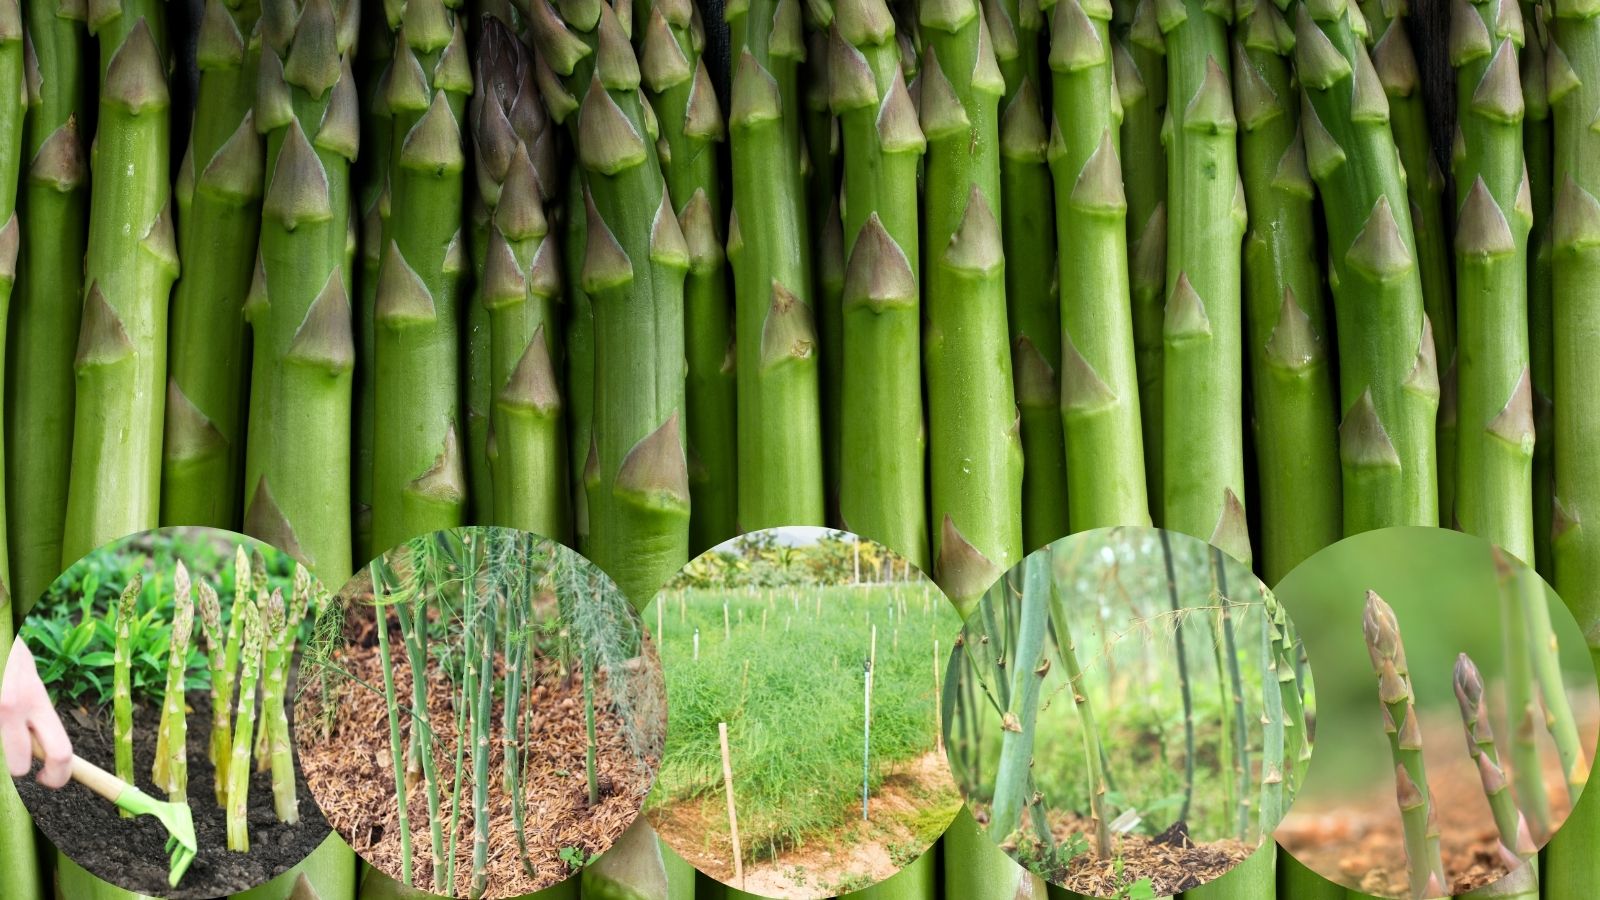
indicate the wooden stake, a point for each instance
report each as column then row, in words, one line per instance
column 733, row 816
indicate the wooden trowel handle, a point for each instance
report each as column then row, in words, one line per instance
column 91, row 776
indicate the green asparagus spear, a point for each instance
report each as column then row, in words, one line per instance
column 244, row 726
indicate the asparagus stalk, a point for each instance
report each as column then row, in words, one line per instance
column 418, row 478
column 382, row 600
column 1099, row 376
column 244, row 726
column 1297, row 882
column 171, row 769
column 481, row 718
column 46, row 307
column 1028, row 232
column 678, row 83
column 1494, row 401
column 219, row 750
column 779, row 416
column 1546, row 661
column 1388, row 379
column 1291, row 381
column 1537, row 135
column 1099, row 811
column 1201, row 420
column 880, row 425
column 1516, row 842
column 821, row 170
column 219, row 199
column 129, row 267
column 414, row 633
column 518, row 285
column 376, row 50
column 1275, row 760
column 1388, row 654
column 635, row 259
column 298, row 458
column 580, row 353
column 121, row 678
column 275, row 671
column 975, row 869
column 1029, row 667
column 1522, row 699
column 1139, row 62
column 976, row 455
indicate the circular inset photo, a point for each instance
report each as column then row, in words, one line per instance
column 168, row 657
column 802, row 668
column 481, row 714
column 1127, row 713
column 1464, row 699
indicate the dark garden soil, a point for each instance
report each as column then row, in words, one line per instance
column 352, row 775
column 911, row 806
column 131, row 853
column 1360, row 843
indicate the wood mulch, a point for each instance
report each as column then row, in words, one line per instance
column 352, row 775
column 1173, row 865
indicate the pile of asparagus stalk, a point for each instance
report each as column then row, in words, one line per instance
column 249, row 656
column 1536, row 700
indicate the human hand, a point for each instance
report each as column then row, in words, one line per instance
column 27, row 716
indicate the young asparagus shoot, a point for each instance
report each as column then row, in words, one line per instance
column 1388, row 654
column 275, row 720
column 1012, row 784
column 244, row 726
column 122, row 681
column 1545, row 651
column 1516, row 842
column 381, row 605
column 171, row 769
column 210, row 611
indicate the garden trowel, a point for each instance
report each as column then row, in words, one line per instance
column 174, row 816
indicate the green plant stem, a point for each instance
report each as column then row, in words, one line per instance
column 1493, row 495
column 121, row 678
column 1275, row 762
column 975, row 469
column 1176, row 606
column 1291, row 382
column 1523, row 711
column 679, row 85
column 244, row 727
column 413, row 621
column 1516, row 843
column 382, row 600
column 880, row 471
column 1388, row 377
column 821, row 170
column 46, row 303
column 129, row 267
column 210, row 612
column 1202, row 415
column 1099, row 377
column 1139, row 61
column 779, row 416
column 376, row 49
column 275, row 722
column 1382, row 632
column 1297, row 740
column 580, row 358
column 1099, row 809
column 419, row 482
column 1297, row 882
column 171, row 769
column 634, row 264
column 519, row 285
column 298, row 458
column 976, row 869
column 1544, row 650
column 1028, row 231
column 1013, row 784
column 482, row 719
column 219, row 199
column 1537, row 139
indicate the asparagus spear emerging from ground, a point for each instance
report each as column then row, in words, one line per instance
column 275, row 719
column 880, row 429
column 1139, row 60
column 171, row 768
column 1396, row 66
column 482, row 722
column 297, row 477
column 244, row 726
column 46, row 304
column 128, row 271
column 975, row 452
column 1494, row 398
column 691, row 122
column 1522, row 698
column 1389, row 386
column 519, row 285
column 1202, row 414
column 221, row 687
column 769, row 245
column 419, row 484
column 1028, row 229
column 633, row 268
column 1291, row 382
column 1516, row 843
column 1094, row 753
column 1099, row 378
column 219, row 196
column 1388, row 654
column 121, row 680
